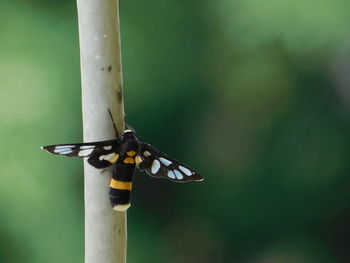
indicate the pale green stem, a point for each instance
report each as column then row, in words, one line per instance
column 102, row 89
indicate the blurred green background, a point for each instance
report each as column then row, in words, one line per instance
column 254, row 94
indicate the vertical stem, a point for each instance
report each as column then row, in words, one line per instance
column 101, row 77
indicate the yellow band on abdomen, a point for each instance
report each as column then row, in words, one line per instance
column 120, row 185
column 129, row 160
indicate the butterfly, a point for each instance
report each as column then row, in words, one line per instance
column 124, row 154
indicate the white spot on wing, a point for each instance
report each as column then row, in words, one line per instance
column 85, row 152
column 171, row 174
column 64, row 146
column 61, row 150
column 107, row 148
column 185, row 170
column 155, row 166
column 166, row 162
column 97, row 57
column 178, row 174
column 138, row 160
column 106, row 157
column 65, row 152
column 87, row 147
column 146, row 153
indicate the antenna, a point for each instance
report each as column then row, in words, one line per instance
column 115, row 127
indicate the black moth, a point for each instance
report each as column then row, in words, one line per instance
column 124, row 153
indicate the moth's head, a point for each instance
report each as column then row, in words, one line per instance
column 128, row 131
column 130, row 139
column 128, row 134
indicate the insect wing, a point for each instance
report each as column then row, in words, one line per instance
column 101, row 154
column 160, row 165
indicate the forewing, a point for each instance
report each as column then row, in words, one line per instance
column 160, row 165
column 101, row 154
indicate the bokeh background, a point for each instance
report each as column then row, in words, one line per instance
column 254, row 94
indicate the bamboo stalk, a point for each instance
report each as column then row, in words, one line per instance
column 102, row 89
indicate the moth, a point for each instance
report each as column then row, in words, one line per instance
column 124, row 154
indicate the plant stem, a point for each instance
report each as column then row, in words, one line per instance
column 102, row 89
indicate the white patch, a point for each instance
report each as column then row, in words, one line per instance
column 155, row 166
column 106, row 157
column 64, row 146
column 121, row 208
column 97, row 57
column 178, row 174
column 85, row 152
column 107, row 148
column 61, row 150
column 65, row 152
column 104, row 36
column 146, row 153
column 95, row 38
column 138, row 160
column 185, row 170
column 86, row 147
column 171, row 174
column 166, row 162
